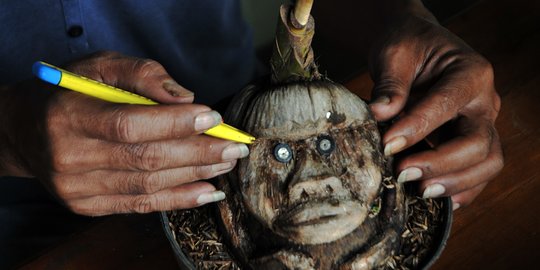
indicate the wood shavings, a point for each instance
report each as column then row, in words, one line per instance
column 418, row 237
column 197, row 235
column 196, row 232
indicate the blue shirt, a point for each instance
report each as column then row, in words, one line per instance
column 204, row 44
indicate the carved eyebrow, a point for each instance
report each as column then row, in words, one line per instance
column 332, row 131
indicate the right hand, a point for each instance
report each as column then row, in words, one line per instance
column 441, row 88
column 103, row 158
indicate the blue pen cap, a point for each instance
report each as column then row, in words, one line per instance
column 46, row 73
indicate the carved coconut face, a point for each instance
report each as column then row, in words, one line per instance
column 316, row 189
column 311, row 176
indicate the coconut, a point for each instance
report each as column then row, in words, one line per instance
column 316, row 191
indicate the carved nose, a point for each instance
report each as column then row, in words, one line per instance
column 317, row 187
column 313, row 178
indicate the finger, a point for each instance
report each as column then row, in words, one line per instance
column 467, row 197
column 472, row 146
column 107, row 182
column 197, row 150
column 442, row 103
column 181, row 197
column 154, row 156
column 458, row 182
column 139, row 123
column 393, row 75
column 141, row 76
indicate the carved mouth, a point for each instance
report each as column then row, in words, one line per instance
column 320, row 222
column 314, row 212
column 320, row 210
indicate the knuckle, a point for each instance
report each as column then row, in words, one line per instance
column 147, row 67
column 202, row 172
column 485, row 98
column 122, row 127
column 498, row 163
column 483, row 143
column 496, row 104
column 390, row 86
column 490, row 105
column 61, row 163
column 485, row 70
column 150, row 183
column 145, row 156
column 138, row 183
column 202, row 155
column 142, row 204
column 449, row 101
column 421, row 124
column 62, row 188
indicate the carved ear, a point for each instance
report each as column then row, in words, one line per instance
column 232, row 219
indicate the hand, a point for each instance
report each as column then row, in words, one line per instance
column 427, row 78
column 102, row 158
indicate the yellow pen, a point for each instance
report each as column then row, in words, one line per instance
column 72, row 81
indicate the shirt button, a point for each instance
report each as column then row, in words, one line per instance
column 75, row 31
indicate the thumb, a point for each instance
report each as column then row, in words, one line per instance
column 393, row 73
column 144, row 77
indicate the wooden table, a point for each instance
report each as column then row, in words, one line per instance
column 501, row 230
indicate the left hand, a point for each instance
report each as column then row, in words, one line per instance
column 429, row 78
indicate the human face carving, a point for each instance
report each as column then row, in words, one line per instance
column 306, row 191
column 322, row 192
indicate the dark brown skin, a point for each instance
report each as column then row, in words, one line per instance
column 428, row 77
column 459, row 84
column 101, row 158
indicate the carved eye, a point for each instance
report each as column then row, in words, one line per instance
column 325, row 145
column 283, row 153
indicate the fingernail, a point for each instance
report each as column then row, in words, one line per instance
column 395, row 145
column 382, row 100
column 455, row 206
column 175, row 90
column 409, row 174
column 235, row 151
column 207, row 120
column 213, row 196
column 434, row 191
